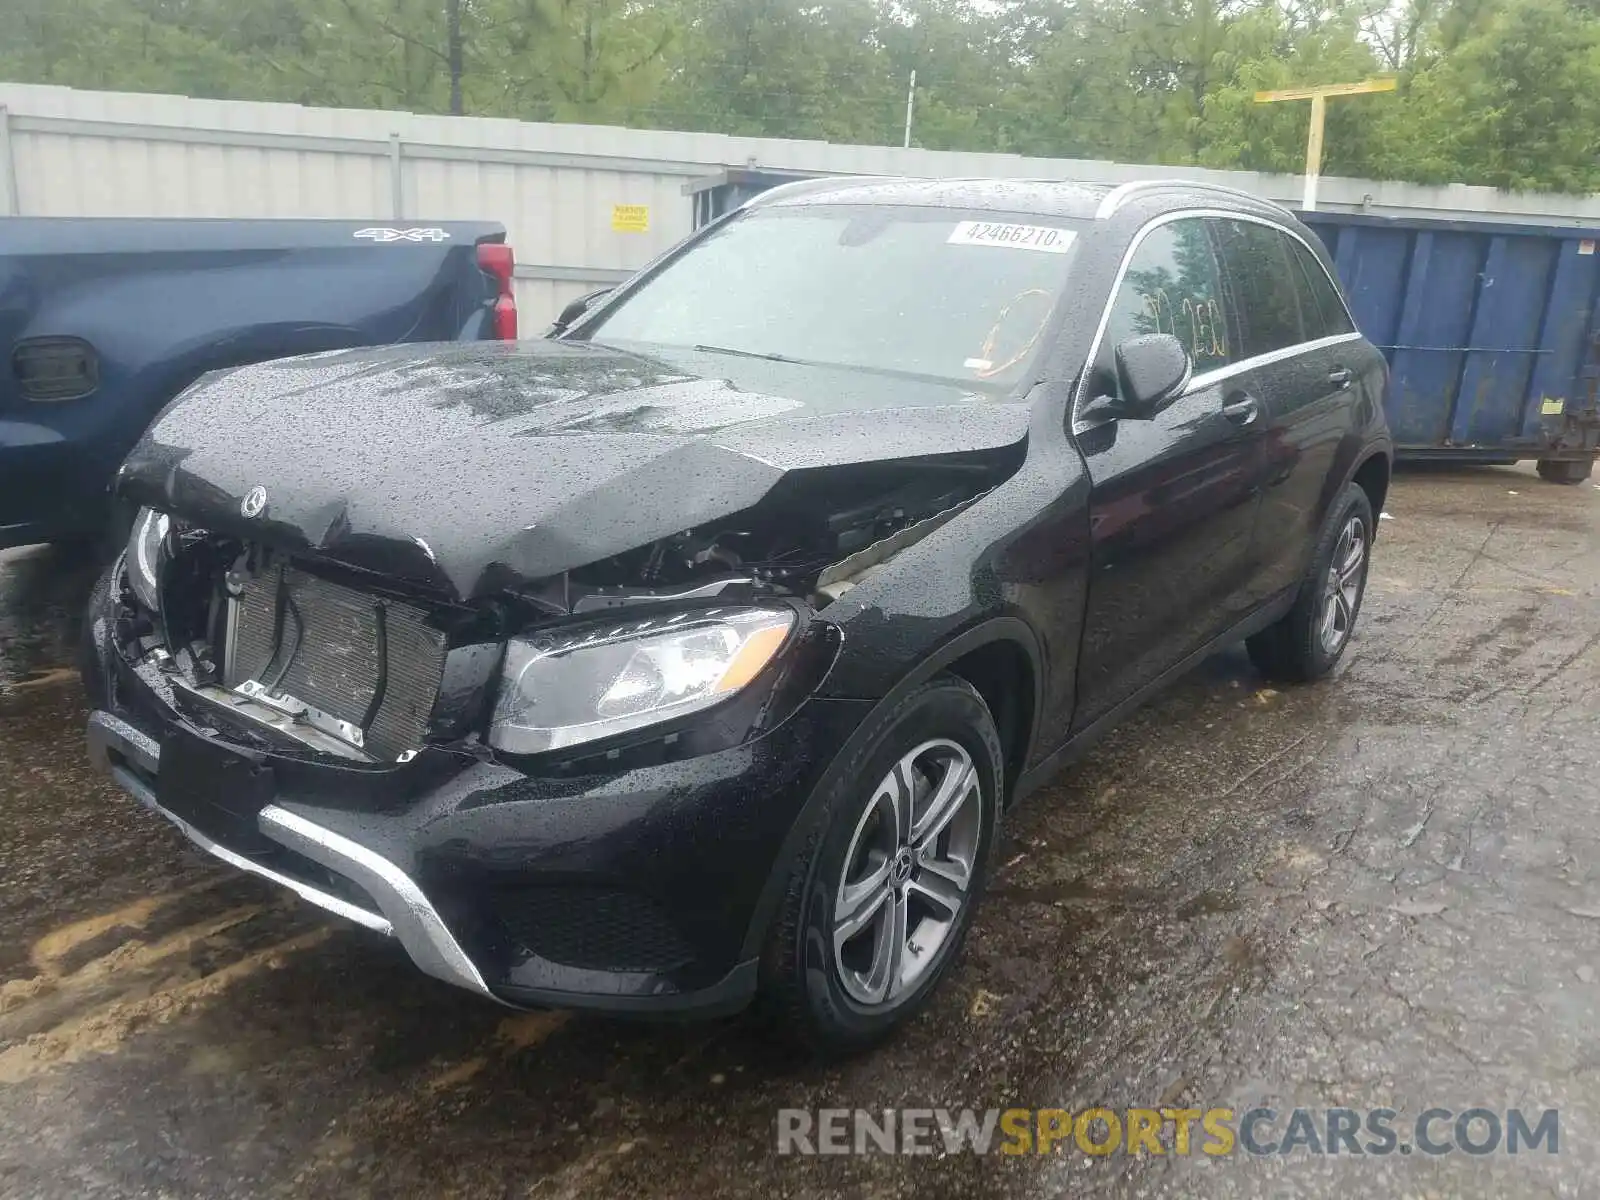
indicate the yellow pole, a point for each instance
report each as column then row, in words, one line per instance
column 1319, row 113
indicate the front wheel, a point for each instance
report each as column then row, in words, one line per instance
column 879, row 905
column 1307, row 642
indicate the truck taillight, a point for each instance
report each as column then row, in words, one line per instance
column 498, row 260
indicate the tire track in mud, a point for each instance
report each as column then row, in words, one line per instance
column 99, row 981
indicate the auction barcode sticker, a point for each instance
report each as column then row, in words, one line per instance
column 1021, row 237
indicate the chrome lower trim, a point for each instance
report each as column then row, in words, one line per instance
column 107, row 731
column 416, row 922
column 405, row 912
column 108, row 734
column 305, row 891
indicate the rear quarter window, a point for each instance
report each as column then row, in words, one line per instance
column 1265, row 282
column 1319, row 296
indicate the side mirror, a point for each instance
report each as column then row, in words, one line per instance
column 576, row 309
column 1152, row 370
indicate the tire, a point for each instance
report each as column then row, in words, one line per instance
column 821, row 997
column 1565, row 470
column 1298, row 648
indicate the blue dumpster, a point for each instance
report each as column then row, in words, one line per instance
column 1490, row 329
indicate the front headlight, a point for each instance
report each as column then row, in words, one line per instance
column 562, row 690
column 146, row 544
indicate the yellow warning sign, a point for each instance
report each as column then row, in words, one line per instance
column 630, row 218
column 1552, row 406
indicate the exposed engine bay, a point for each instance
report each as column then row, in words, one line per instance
column 788, row 544
column 328, row 659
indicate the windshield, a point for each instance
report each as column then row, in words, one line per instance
column 940, row 293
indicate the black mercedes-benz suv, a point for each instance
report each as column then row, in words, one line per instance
column 693, row 653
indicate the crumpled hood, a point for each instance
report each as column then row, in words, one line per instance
column 469, row 466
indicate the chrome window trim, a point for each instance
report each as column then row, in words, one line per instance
column 1207, row 378
column 1219, row 373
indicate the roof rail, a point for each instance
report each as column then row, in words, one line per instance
column 800, row 187
column 1113, row 199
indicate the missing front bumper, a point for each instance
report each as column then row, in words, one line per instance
column 133, row 759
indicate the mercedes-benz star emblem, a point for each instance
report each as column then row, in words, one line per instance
column 254, row 502
column 901, row 867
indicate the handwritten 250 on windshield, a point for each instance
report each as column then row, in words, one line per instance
column 1215, row 1132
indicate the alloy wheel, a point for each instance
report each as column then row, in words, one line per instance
column 907, row 873
column 1342, row 593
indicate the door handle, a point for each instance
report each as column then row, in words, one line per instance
column 1340, row 377
column 1242, row 410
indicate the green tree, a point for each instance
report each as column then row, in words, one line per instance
column 1491, row 91
column 1278, row 54
column 1515, row 105
column 774, row 68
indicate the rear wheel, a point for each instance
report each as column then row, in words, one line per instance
column 1311, row 638
column 1565, row 470
column 878, row 908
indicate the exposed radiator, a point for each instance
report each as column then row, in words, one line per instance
column 327, row 655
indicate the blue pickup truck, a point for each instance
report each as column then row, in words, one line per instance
column 102, row 322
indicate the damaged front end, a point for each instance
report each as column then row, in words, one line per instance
column 274, row 652
column 690, row 643
column 529, row 654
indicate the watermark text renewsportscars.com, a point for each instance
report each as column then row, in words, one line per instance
column 1217, row 1132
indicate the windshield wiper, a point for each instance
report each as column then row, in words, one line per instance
column 890, row 372
column 747, row 354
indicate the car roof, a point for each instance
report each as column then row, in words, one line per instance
column 1044, row 197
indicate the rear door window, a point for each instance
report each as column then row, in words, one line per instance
column 1318, row 296
column 1264, row 281
column 1172, row 285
